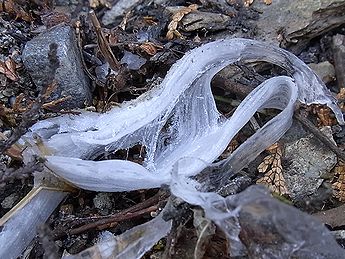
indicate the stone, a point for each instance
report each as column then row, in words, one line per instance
column 297, row 21
column 210, row 21
column 324, row 70
column 338, row 47
column 103, row 202
column 9, row 201
column 307, row 160
column 118, row 10
column 272, row 229
column 70, row 77
column 197, row 20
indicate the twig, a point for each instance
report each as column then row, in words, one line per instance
column 135, row 211
column 104, row 223
column 103, row 44
column 322, row 137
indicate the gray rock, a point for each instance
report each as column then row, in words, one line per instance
column 197, row 20
column 69, row 76
column 103, row 202
column 324, row 70
column 118, row 9
column 133, row 61
column 338, row 47
column 272, row 229
column 9, row 201
column 309, row 159
column 298, row 21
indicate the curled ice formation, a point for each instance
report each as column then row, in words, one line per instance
column 175, row 120
column 179, row 119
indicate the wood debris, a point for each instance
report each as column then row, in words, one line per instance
column 338, row 184
column 324, row 115
column 247, row 3
column 8, row 68
column 150, row 48
column 13, row 8
column 99, row 3
column 272, row 167
column 176, row 18
column 341, row 99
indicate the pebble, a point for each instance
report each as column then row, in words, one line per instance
column 70, row 77
column 308, row 159
column 324, row 70
column 103, row 202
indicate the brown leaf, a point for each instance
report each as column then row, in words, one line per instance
column 178, row 16
column 11, row 7
column 54, row 18
column 149, row 48
column 15, row 151
column 324, row 115
column 272, row 167
column 103, row 43
column 339, row 181
column 8, row 68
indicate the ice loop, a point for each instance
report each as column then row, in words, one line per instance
column 179, row 119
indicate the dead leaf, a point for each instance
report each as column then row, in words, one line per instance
column 15, row 151
column 99, row 3
column 324, row 115
column 176, row 18
column 247, row 3
column 272, row 167
column 339, row 181
column 54, row 18
column 11, row 7
column 8, row 68
column 341, row 99
column 268, row 2
column 150, row 48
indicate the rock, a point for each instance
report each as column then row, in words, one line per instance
column 308, row 159
column 197, row 20
column 272, row 229
column 210, row 21
column 118, row 9
column 133, row 61
column 338, row 47
column 70, row 77
column 9, row 201
column 103, row 202
column 298, row 21
column 324, row 70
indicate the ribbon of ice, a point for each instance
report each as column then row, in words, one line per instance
column 179, row 119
